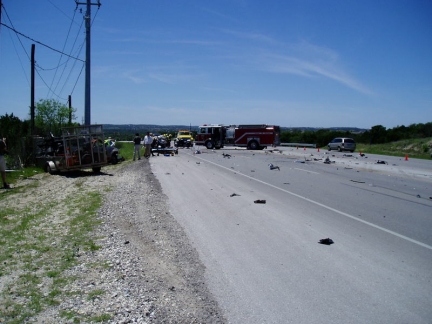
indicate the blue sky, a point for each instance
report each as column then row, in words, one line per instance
column 290, row 63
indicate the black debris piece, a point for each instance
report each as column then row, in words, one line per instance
column 362, row 154
column 234, row 194
column 126, row 242
column 326, row 241
column 260, row 201
column 273, row 167
column 381, row 162
column 327, row 161
column 418, row 196
column 357, row 181
column 226, row 155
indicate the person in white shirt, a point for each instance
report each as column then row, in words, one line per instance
column 148, row 139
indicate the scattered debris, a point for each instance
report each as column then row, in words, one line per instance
column 357, row 181
column 362, row 154
column 418, row 196
column 126, row 242
column 234, row 194
column 198, row 162
column 273, row 167
column 348, row 168
column 225, row 155
column 326, row 241
column 327, row 161
column 197, row 152
column 381, row 162
column 260, row 201
column 298, row 161
column 348, row 155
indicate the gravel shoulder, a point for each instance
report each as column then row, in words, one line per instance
column 145, row 270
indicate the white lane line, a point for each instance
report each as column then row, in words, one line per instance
column 305, row 170
column 322, row 205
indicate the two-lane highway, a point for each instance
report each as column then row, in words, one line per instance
column 264, row 263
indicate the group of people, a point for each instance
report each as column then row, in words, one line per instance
column 146, row 142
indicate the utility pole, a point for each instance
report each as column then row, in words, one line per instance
column 32, row 90
column 70, row 110
column 87, row 18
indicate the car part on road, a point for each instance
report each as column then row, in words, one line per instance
column 326, row 241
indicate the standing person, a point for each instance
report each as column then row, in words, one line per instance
column 137, row 147
column 3, row 152
column 147, row 143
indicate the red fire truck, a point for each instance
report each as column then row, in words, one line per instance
column 254, row 137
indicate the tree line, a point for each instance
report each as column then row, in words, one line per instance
column 376, row 135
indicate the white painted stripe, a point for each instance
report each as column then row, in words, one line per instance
column 322, row 205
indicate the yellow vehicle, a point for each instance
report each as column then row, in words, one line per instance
column 183, row 138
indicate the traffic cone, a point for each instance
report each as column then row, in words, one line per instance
column 360, row 153
column 304, row 148
column 297, row 147
column 406, row 157
column 318, row 149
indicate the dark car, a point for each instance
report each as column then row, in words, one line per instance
column 342, row 144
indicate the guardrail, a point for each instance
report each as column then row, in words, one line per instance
column 298, row 144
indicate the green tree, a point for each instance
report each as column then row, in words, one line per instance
column 378, row 134
column 51, row 116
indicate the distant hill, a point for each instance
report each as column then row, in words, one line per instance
column 142, row 128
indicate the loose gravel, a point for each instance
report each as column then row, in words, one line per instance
column 145, row 271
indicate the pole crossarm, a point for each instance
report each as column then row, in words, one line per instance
column 85, row 3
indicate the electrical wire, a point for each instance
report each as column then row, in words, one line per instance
column 62, row 53
column 47, row 46
column 19, row 58
column 60, row 58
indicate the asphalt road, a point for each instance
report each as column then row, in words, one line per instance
column 264, row 263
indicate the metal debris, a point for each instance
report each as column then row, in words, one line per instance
column 381, row 162
column 327, row 161
column 326, row 241
column 273, row 167
column 260, row 201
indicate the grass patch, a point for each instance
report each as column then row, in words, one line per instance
column 25, row 173
column 95, row 293
column 36, row 249
column 415, row 148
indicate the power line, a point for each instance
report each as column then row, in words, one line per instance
column 64, row 46
column 40, row 43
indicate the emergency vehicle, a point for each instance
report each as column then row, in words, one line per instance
column 254, row 137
